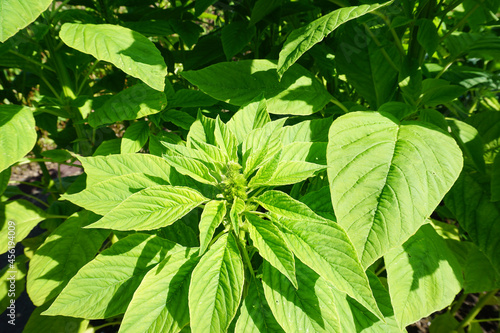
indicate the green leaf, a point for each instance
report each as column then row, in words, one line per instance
column 212, row 216
column 101, row 168
column 355, row 317
column 266, row 172
column 18, row 14
column 495, row 179
column 249, row 117
column 469, row 201
column 313, row 152
column 216, row 287
column 19, row 217
column 256, row 316
column 365, row 64
column 267, row 239
column 469, row 140
column 235, row 36
column 201, row 5
column 291, row 172
column 315, row 130
column 302, row 39
column 132, row 103
column 386, row 178
column 327, row 250
column 41, row 323
column 160, row 303
column 135, row 137
column 126, row 49
column 14, row 121
column 151, row 208
column 488, row 126
column 187, row 98
column 320, row 202
column 423, row 276
column 283, row 205
column 179, row 118
column 68, row 248
column 104, row 287
column 308, row 308
column 437, row 91
column 427, row 35
column 4, row 179
column 262, row 8
column 238, row 83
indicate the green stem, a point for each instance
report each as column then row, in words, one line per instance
column 36, row 199
column 86, row 79
column 397, row 40
column 485, row 320
column 381, row 269
column 18, row 182
column 246, row 258
column 339, row 104
column 96, row 328
column 458, row 304
column 483, row 300
column 50, row 216
column 43, row 66
column 51, row 88
column 384, row 53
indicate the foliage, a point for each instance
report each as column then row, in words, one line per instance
column 251, row 166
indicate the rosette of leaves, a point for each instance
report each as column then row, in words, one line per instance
column 262, row 261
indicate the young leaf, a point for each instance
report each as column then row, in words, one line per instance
column 191, row 167
column 126, row 49
column 212, row 216
column 249, row 117
column 216, row 287
column 267, row 239
column 151, row 208
column 302, row 39
column 283, row 205
column 68, row 248
column 291, row 172
column 326, row 249
column 21, row 215
column 18, row 14
column 266, row 172
column 237, row 208
column 14, row 120
column 238, row 83
column 423, row 276
column 226, row 140
column 94, row 293
column 386, row 178
column 135, row 137
column 256, row 316
column 132, row 103
column 308, row 308
column 160, row 303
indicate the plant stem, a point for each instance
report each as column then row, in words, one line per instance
column 49, row 216
column 25, row 183
column 31, row 60
column 106, row 325
column 36, row 199
column 339, row 104
column 476, row 309
column 458, row 304
column 246, row 258
column 384, row 53
column 460, row 23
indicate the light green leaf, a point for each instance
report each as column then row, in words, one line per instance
column 202, row 130
column 212, row 216
column 17, row 132
column 355, row 317
column 283, row 205
column 210, row 153
column 313, row 152
column 132, row 103
column 151, row 208
column 104, row 287
column 191, row 167
column 226, row 140
column 315, row 130
column 291, row 172
column 216, row 287
column 238, row 83
column 266, row 172
column 267, row 239
column 249, row 117
column 302, row 39
column 6, row 294
column 386, row 178
column 479, row 274
column 160, row 304
column 326, row 249
column 68, row 248
column 423, row 276
column 308, row 308
column 17, row 14
column 237, row 208
column 126, row 49
column 19, row 217
column 469, row 201
column 40, row 323
column 260, row 145
column 135, row 137
column 256, row 316
column 102, row 197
